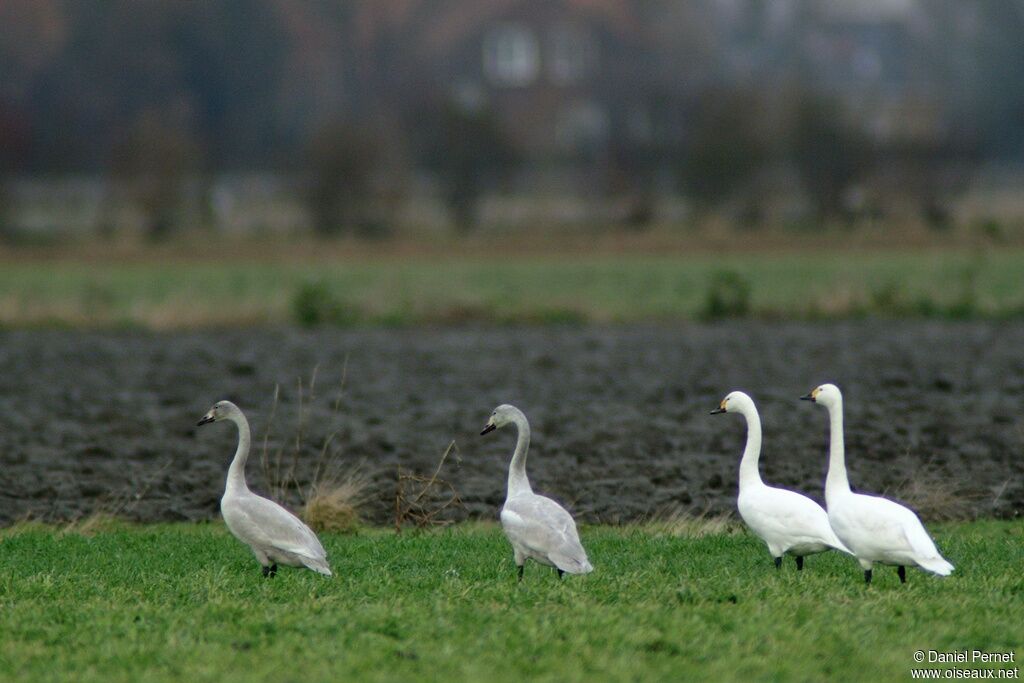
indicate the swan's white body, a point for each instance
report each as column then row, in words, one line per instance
column 875, row 529
column 787, row 521
column 537, row 527
column 275, row 535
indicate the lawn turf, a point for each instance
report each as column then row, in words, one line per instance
column 187, row 602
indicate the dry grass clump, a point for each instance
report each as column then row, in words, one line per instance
column 335, row 491
column 94, row 523
column 22, row 525
column 674, row 520
column 334, row 505
column 937, row 498
column 422, row 501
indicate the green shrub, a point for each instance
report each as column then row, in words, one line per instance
column 728, row 296
column 887, row 299
column 314, row 304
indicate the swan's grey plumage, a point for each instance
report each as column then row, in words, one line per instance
column 275, row 535
column 537, row 527
column 875, row 529
column 787, row 521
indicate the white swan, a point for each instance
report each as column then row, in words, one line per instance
column 788, row 522
column 875, row 529
column 537, row 527
column 274, row 534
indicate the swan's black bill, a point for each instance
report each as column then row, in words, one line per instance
column 488, row 429
column 808, row 397
column 716, row 411
column 206, row 420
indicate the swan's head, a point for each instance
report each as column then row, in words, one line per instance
column 221, row 410
column 827, row 395
column 735, row 402
column 502, row 415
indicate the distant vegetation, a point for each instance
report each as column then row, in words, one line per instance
column 361, row 111
column 408, row 290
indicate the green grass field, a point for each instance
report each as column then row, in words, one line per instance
column 187, row 603
column 385, row 290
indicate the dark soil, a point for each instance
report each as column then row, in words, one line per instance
column 621, row 431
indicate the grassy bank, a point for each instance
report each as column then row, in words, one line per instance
column 532, row 289
column 181, row 602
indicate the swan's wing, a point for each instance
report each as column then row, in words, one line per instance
column 877, row 524
column 270, row 525
column 886, row 529
column 546, row 528
column 788, row 517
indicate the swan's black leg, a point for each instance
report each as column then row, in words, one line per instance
column 901, row 571
column 799, row 563
column 778, row 562
column 520, row 572
column 266, row 572
column 560, row 572
column 867, row 576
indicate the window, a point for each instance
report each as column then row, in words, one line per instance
column 511, row 55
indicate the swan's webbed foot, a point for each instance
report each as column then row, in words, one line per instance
column 778, row 562
column 270, row 572
column 867, row 576
column 519, row 573
column 901, row 571
column 799, row 563
column 560, row 572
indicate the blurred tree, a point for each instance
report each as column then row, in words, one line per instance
column 469, row 152
column 152, row 166
column 632, row 174
column 119, row 59
column 356, row 179
column 926, row 176
column 994, row 85
column 6, row 229
column 724, row 148
column 13, row 151
column 829, row 153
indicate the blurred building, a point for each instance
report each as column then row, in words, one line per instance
column 562, row 77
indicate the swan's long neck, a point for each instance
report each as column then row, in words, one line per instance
column 749, row 474
column 236, row 473
column 517, row 481
column 836, row 482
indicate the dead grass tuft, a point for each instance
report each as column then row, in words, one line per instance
column 24, row 525
column 937, row 498
column 335, row 490
column 674, row 520
column 94, row 523
column 423, row 501
column 334, row 506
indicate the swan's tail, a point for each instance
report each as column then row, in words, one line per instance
column 936, row 565
column 832, row 541
column 838, row 545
